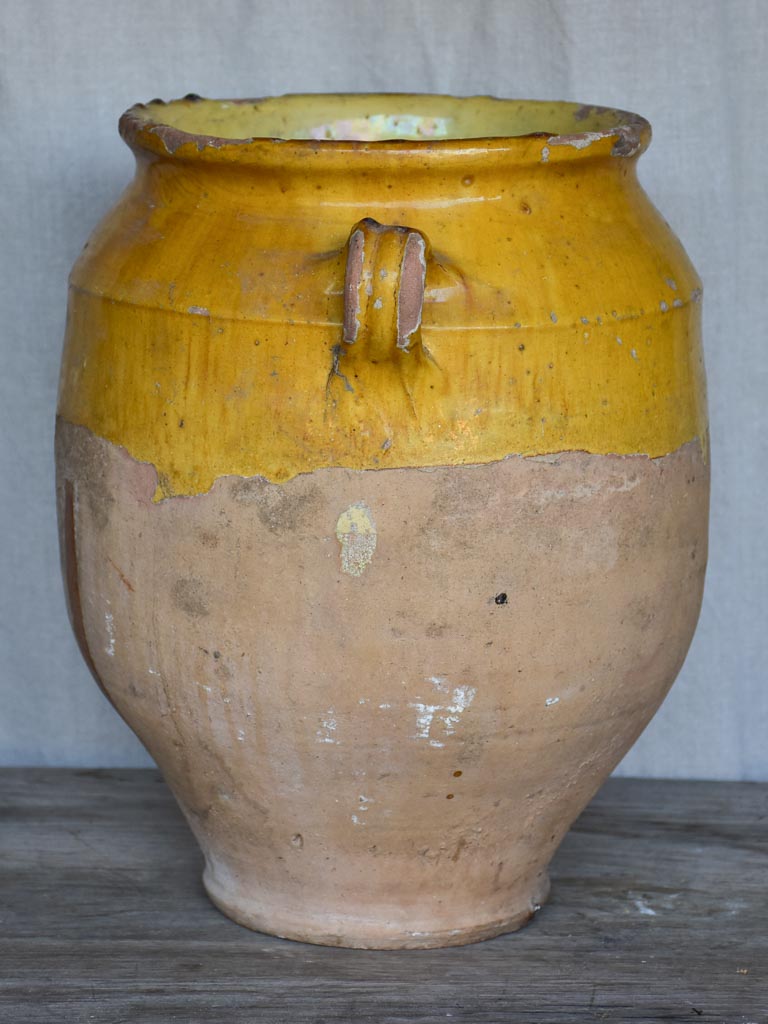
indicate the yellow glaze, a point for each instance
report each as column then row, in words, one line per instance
column 205, row 328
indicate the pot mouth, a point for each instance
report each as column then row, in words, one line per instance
column 241, row 130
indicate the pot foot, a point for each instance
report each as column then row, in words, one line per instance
column 368, row 933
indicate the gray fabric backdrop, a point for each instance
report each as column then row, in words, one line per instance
column 695, row 68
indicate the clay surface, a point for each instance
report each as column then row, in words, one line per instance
column 382, row 697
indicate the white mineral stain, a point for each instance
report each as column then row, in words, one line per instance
column 581, row 141
column 109, row 622
column 462, row 698
column 364, row 802
column 327, row 727
column 424, row 715
column 448, row 714
column 551, row 700
column 356, row 532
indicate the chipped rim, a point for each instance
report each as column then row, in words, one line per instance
column 628, row 138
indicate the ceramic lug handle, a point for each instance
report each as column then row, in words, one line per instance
column 384, row 287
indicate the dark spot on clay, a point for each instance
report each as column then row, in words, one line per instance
column 223, row 672
column 525, row 208
column 279, row 508
column 435, row 629
column 297, row 841
column 449, row 796
column 458, row 773
column 461, row 845
column 209, row 540
column 68, row 535
column 181, row 423
column 217, row 655
column 641, row 613
column 189, row 595
column 85, row 461
column 467, row 180
column 457, row 498
column 500, row 599
column 521, row 348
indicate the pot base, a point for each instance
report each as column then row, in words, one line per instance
column 362, row 933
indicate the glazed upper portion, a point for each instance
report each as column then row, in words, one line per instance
column 206, row 330
column 248, row 131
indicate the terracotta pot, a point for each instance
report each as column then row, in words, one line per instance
column 383, row 489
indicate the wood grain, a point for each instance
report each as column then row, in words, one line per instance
column 658, row 912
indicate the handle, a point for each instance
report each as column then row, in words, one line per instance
column 384, row 288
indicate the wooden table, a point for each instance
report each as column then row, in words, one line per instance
column 659, row 912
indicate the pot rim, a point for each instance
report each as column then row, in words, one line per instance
column 626, row 134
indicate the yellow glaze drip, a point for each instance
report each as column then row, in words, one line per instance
column 205, row 322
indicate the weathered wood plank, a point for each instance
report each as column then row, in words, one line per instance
column 659, row 912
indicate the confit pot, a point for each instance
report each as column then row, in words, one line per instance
column 383, row 489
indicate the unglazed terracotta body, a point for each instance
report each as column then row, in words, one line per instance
column 383, row 493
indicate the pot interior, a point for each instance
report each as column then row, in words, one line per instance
column 380, row 117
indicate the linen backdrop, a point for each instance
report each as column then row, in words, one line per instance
column 695, row 68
